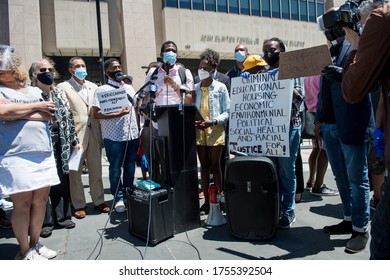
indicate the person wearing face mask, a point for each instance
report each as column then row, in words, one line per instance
column 80, row 94
column 225, row 79
column 64, row 139
column 27, row 164
column 120, row 131
column 286, row 165
column 240, row 54
column 212, row 100
column 168, row 78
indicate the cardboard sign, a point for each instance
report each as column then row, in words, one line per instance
column 112, row 100
column 260, row 111
column 303, row 63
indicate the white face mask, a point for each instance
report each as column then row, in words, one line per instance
column 203, row 74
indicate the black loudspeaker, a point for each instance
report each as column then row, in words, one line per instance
column 160, row 204
column 177, row 162
column 252, row 197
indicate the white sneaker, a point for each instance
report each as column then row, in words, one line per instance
column 5, row 204
column 120, row 206
column 33, row 255
column 44, row 251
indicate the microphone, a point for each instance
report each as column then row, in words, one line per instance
column 183, row 90
column 141, row 93
column 167, row 67
column 46, row 97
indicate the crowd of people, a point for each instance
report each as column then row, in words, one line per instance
column 42, row 124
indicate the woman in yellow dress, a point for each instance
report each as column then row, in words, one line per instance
column 212, row 100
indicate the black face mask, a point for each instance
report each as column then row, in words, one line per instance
column 116, row 75
column 271, row 58
column 46, row 78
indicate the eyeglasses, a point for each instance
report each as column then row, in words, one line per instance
column 43, row 69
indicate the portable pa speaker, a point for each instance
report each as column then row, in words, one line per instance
column 252, row 197
column 161, row 216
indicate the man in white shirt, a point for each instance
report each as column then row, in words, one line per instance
column 120, row 133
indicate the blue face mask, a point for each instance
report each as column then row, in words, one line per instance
column 80, row 73
column 46, row 78
column 169, row 58
column 240, row 56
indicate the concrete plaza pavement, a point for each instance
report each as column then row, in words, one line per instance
column 106, row 237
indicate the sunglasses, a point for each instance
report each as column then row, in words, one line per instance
column 43, row 69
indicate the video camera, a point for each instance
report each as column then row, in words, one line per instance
column 332, row 22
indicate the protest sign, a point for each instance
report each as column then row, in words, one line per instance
column 304, row 62
column 112, row 100
column 260, row 109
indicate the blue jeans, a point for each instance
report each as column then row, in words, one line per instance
column 350, row 168
column 119, row 157
column 380, row 226
column 285, row 167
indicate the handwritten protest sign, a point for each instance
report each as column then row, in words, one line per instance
column 112, row 100
column 304, row 62
column 260, row 109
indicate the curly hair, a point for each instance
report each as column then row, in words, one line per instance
column 20, row 73
column 211, row 56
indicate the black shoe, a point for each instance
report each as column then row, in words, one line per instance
column 205, row 209
column 357, row 242
column 345, row 227
column 68, row 224
column 46, row 231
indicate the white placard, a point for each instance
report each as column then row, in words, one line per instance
column 112, row 100
column 260, row 109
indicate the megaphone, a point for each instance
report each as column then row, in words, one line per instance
column 215, row 217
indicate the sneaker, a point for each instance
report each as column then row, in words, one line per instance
column 44, row 251
column 5, row 204
column 5, row 223
column 357, row 242
column 324, row 191
column 345, row 227
column 287, row 220
column 31, row 255
column 205, row 209
column 309, row 186
column 374, row 202
column 120, row 206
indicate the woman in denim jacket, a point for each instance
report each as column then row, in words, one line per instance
column 212, row 100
